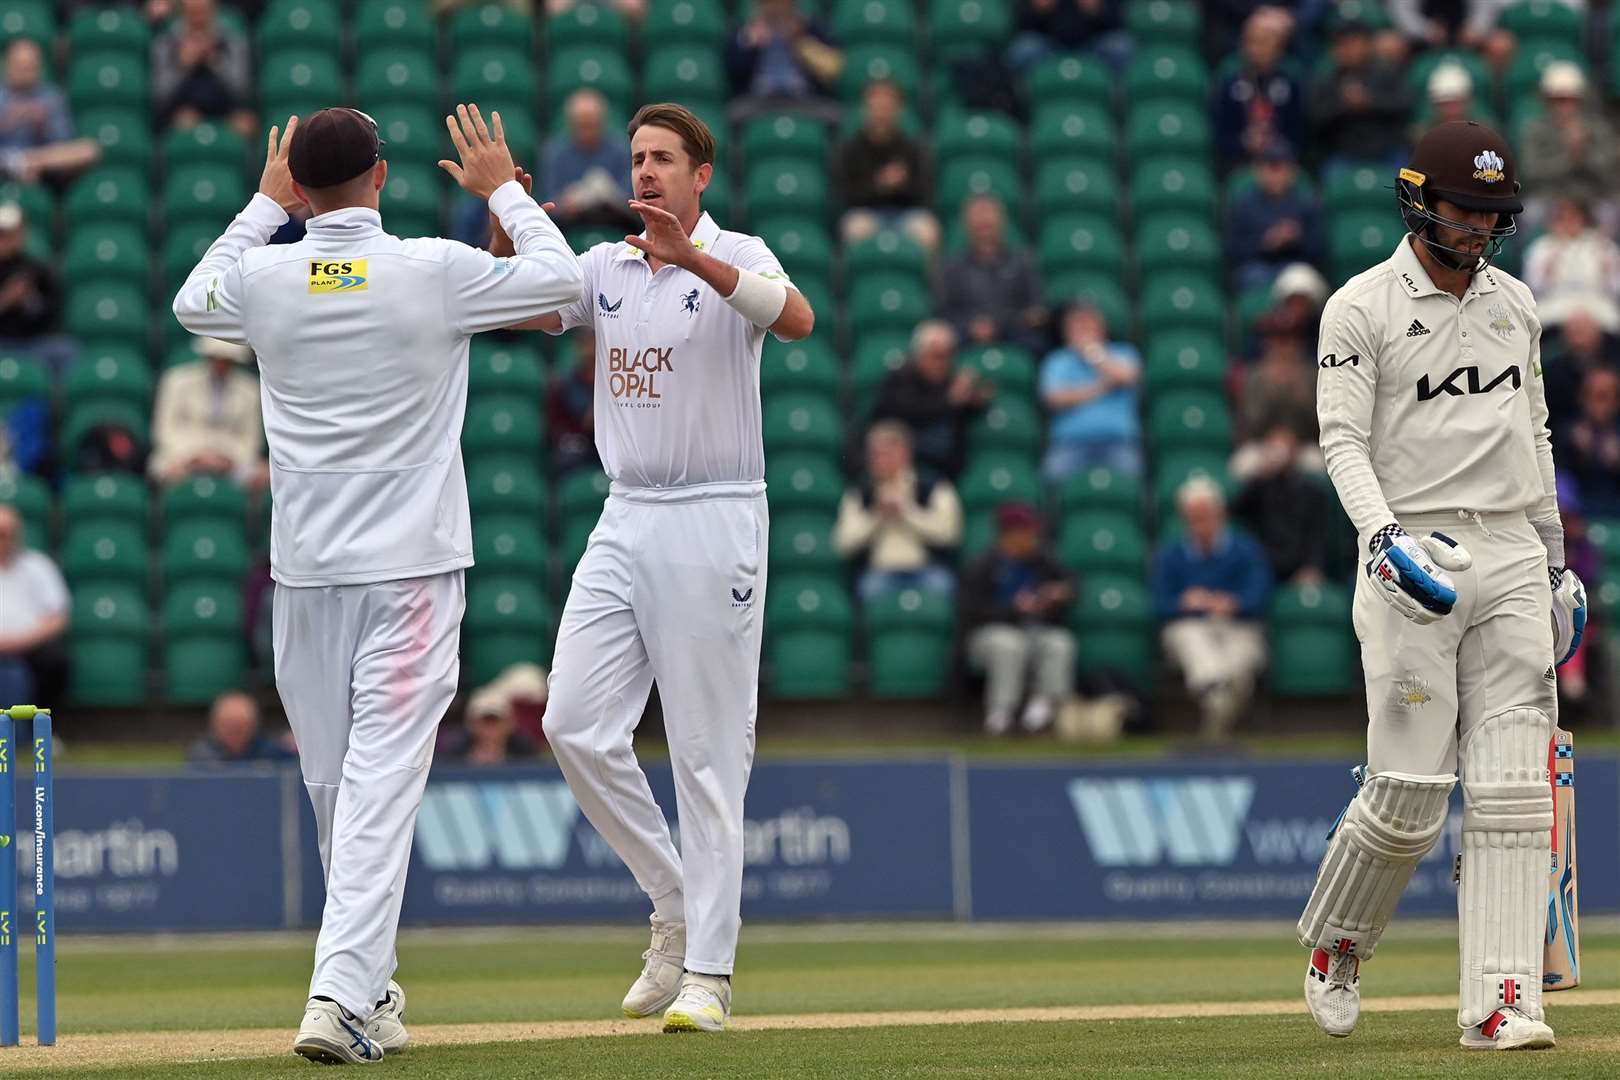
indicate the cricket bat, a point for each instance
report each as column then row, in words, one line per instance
column 1562, row 966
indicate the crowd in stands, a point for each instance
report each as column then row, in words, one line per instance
column 1300, row 99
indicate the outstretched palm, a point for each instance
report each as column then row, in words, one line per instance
column 276, row 181
column 665, row 241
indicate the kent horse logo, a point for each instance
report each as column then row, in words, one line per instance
column 689, row 302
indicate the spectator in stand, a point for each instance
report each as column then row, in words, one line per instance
column 1049, row 26
column 1581, row 347
column 1583, row 557
column 884, row 174
column 933, row 399
column 1278, row 390
column 571, row 407
column 991, row 292
column 489, row 734
column 586, row 170
column 1297, row 295
column 1291, row 511
column 1591, row 451
column 632, row 10
column 1439, row 24
column 1013, row 603
column 36, row 129
column 1359, row 105
column 904, row 526
column 1450, row 91
column 1273, row 224
column 235, row 738
column 33, row 619
column 780, row 59
column 1210, row 589
column 30, row 293
column 1574, row 267
column 1260, row 102
column 1570, row 151
column 1089, row 386
column 202, row 69
column 207, row 418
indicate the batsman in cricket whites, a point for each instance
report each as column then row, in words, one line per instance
column 1434, row 428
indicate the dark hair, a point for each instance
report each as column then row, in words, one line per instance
column 696, row 138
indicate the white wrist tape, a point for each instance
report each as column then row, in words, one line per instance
column 758, row 300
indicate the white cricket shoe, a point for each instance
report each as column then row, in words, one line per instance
column 1508, row 1029
column 332, row 1035
column 660, row 979
column 1333, row 991
column 704, row 1004
column 386, row 1025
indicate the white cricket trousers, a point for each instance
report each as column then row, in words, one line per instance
column 672, row 588
column 365, row 673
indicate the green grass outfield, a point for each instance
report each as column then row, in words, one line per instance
column 1117, row 1001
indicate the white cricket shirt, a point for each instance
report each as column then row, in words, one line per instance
column 677, row 368
column 33, row 591
column 362, row 345
column 1431, row 403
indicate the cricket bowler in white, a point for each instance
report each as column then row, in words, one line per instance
column 1434, row 427
column 362, row 344
column 672, row 583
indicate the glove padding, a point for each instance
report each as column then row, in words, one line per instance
column 1415, row 575
column 1568, row 613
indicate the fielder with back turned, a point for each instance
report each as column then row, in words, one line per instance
column 1434, row 427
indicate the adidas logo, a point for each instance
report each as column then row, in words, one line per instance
column 1417, row 329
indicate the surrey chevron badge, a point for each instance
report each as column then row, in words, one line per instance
column 1488, row 167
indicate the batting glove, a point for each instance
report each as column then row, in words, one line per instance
column 1568, row 612
column 1415, row 575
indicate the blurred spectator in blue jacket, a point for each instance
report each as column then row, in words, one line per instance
column 1592, row 447
column 586, row 170
column 1089, row 386
column 782, row 58
column 1273, row 224
column 1210, row 589
column 1261, row 101
column 1048, row 26
column 234, row 736
column 36, row 130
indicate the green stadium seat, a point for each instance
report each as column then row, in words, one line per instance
column 697, row 22
column 1098, row 288
column 211, row 193
column 31, row 498
column 994, row 477
column 977, row 134
column 503, row 427
column 1361, row 239
column 1069, row 79
column 1101, row 489
column 876, row 354
column 1070, row 130
column 803, row 423
column 411, row 199
column 95, row 499
column 508, row 622
column 398, row 76
column 298, row 80
column 207, row 144
column 37, row 203
column 203, row 549
column 21, row 378
column 1011, row 424
column 217, row 500
column 507, row 486
column 1523, row 77
column 910, row 634
column 1170, row 240
column 1009, row 368
column 786, row 186
column 895, row 302
column 509, row 547
column 1541, row 20
column 110, row 371
column 300, row 24
column 1102, row 541
column 1603, row 532
column 589, row 23
column 1084, row 242
column 122, row 134
column 1174, row 469
column 785, row 135
column 108, row 29
column 869, row 22
column 1312, row 643
column 109, row 195
column 106, row 311
column 802, row 245
column 494, row 78
column 887, row 250
column 684, row 73
column 1164, row 22
column 801, row 543
column 1161, row 128
column 107, row 79
column 966, row 178
column 1184, row 360
column 808, row 367
column 108, row 644
column 1363, row 187
column 31, row 19
column 1181, row 185
column 582, row 492
column 1189, row 419
column 1077, row 185
column 116, row 253
column 183, row 248
column 475, row 26
column 1423, row 65
column 803, row 482
column 1114, row 627
column 870, row 62
column 412, row 134
column 809, row 627
column 83, row 416
column 1183, row 300
column 604, row 70
column 968, row 27
column 112, row 552
column 396, row 24
column 204, row 642
column 1166, row 73
column 496, row 369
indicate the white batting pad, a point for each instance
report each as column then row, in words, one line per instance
column 1391, row 824
column 1507, row 842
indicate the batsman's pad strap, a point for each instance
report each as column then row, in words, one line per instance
column 1389, row 826
column 1507, row 845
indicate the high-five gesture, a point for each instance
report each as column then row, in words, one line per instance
column 276, row 180
column 665, row 241
column 486, row 163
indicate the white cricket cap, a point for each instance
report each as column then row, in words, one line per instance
column 10, row 216
column 1563, row 78
column 1299, row 279
column 1450, row 82
column 211, row 348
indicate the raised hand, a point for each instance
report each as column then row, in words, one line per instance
column 276, row 181
column 665, row 241
column 486, row 163
column 500, row 245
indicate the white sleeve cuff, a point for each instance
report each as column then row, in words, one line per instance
column 265, row 211
column 508, row 197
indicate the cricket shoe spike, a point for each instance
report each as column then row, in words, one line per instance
column 1333, row 991
column 386, row 1024
column 704, row 1004
column 1508, row 1029
column 660, row 980
column 332, row 1035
